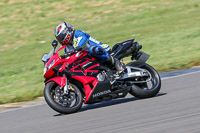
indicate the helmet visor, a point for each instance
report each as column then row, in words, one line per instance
column 61, row 37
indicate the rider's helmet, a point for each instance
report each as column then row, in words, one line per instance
column 64, row 33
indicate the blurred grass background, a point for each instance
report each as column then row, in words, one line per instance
column 169, row 31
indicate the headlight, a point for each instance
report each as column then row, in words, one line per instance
column 45, row 70
column 51, row 64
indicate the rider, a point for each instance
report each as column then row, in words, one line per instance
column 67, row 35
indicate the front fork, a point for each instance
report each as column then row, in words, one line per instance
column 66, row 87
column 62, row 82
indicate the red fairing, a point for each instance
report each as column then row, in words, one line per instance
column 88, row 70
column 89, row 82
column 57, row 61
column 86, row 80
column 61, row 81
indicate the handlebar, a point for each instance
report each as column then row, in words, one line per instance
column 70, row 53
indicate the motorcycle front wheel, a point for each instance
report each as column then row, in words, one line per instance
column 150, row 88
column 55, row 97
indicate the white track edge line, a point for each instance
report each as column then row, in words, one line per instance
column 22, row 108
column 180, row 75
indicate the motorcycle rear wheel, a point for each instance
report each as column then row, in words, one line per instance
column 142, row 90
column 70, row 103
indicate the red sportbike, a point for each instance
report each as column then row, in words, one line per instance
column 76, row 77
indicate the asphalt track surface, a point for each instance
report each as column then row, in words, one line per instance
column 176, row 109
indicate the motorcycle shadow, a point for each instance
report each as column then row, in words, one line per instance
column 113, row 102
column 109, row 103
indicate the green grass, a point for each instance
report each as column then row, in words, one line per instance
column 169, row 31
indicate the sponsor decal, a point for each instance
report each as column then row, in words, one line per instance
column 86, row 64
column 101, row 93
column 104, row 46
column 76, row 41
column 94, row 40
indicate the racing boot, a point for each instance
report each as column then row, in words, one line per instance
column 119, row 66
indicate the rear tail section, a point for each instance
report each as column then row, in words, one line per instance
column 124, row 49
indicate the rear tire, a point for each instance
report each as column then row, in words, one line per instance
column 140, row 90
column 53, row 101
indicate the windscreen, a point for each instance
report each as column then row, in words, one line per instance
column 51, row 52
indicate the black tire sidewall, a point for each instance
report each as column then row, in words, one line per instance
column 140, row 93
column 57, row 107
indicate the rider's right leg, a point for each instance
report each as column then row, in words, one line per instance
column 120, row 67
column 100, row 53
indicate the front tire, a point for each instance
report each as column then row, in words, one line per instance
column 63, row 104
column 141, row 90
